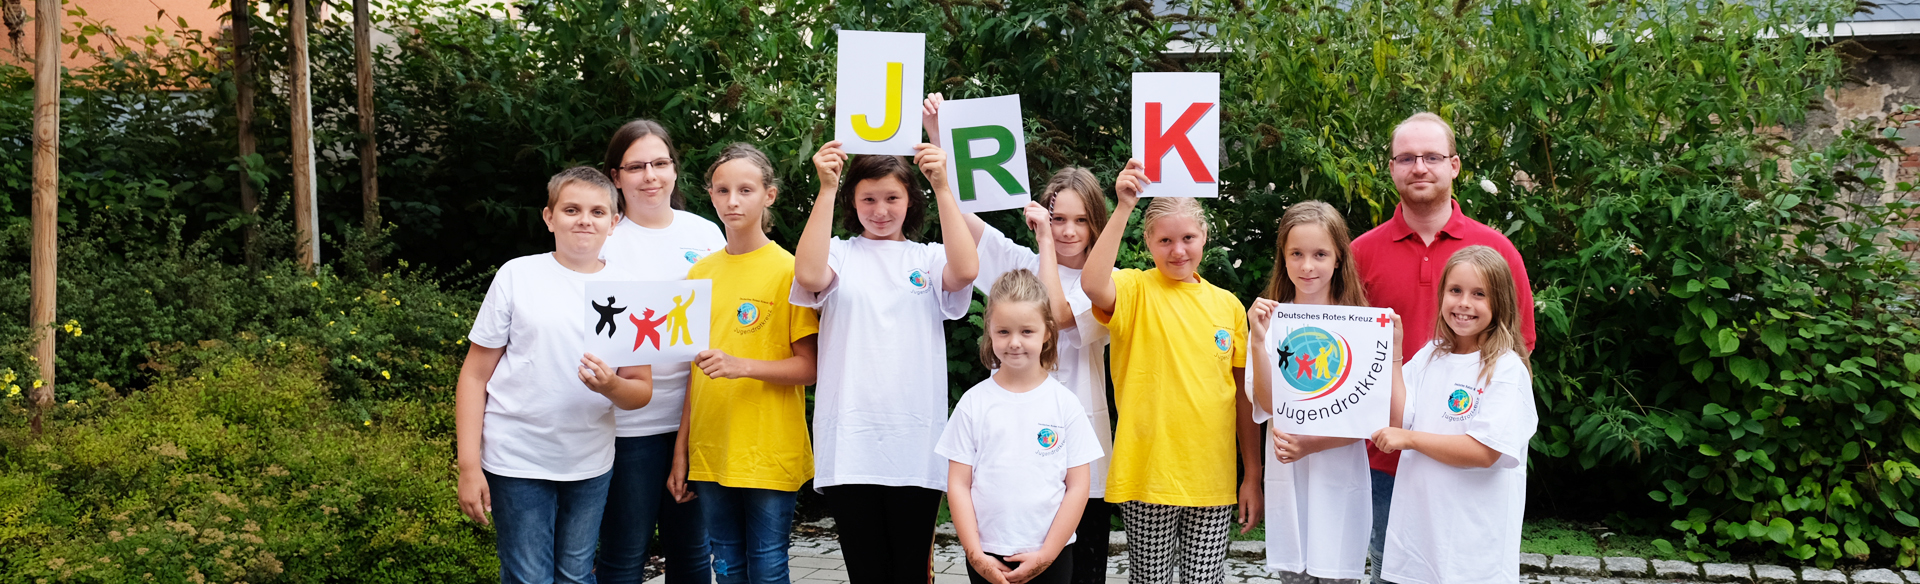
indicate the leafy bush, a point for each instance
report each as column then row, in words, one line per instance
column 398, row 333
column 235, row 466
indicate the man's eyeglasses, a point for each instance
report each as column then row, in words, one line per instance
column 1430, row 159
column 665, row 164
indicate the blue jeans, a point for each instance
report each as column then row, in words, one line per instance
column 1382, row 503
column 544, row 530
column 637, row 502
column 749, row 530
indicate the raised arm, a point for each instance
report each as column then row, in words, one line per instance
column 1041, row 221
column 1097, row 277
column 963, row 259
column 1259, row 317
column 810, row 269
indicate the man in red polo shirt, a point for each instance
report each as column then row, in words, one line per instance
column 1400, row 263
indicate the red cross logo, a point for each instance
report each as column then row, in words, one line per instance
column 1383, row 320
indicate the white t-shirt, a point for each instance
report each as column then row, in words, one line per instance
column 1451, row 524
column 1082, row 350
column 541, row 421
column 645, row 254
column 1319, row 508
column 881, row 398
column 1020, row 446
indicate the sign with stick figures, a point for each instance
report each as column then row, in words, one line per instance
column 1333, row 371
column 648, row 323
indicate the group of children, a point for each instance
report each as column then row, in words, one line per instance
column 578, row 468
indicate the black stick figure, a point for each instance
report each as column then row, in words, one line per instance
column 606, row 316
column 1285, row 354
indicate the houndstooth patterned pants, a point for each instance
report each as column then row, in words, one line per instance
column 1155, row 532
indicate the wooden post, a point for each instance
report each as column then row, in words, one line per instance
column 369, row 158
column 305, row 211
column 46, row 195
column 243, row 114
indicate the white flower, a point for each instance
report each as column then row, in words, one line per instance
column 1487, row 185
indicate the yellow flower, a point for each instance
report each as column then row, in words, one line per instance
column 396, row 303
column 367, row 423
column 384, row 374
column 72, row 401
column 425, row 366
column 37, row 383
column 353, row 332
column 76, row 331
column 316, row 283
column 13, row 391
column 329, row 323
column 354, row 357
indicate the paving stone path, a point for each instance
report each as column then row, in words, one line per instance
column 816, row 560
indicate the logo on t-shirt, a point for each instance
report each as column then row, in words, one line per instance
column 1223, row 339
column 1050, row 437
column 1463, row 403
column 750, row 316
column 1314, row 362
column 693, row 256
column 919, row 280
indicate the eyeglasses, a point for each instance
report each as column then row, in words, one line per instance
column 1430, row 159
column 665, row 164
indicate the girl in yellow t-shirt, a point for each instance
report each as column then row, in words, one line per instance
column 1178, row 343
column 743, row 444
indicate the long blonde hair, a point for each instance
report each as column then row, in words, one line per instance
column 1347, row 290
column 1503, row 334
column 1016, row 287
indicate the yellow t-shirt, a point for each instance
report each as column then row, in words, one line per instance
column 746, row 432
column 1175, row 345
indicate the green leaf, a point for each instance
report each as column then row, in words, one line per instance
column 1911, row 436
column 1775, row 337
column 1906, row 518
column 1856, row 547
column 1702, row 369
column 1779, row 530
column 1729, row 340
column 1664, row 546
column 1709, row 450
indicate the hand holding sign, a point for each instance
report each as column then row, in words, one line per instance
column 1176, row 132
column 879, row 76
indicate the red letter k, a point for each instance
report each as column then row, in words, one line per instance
column 1175, row 138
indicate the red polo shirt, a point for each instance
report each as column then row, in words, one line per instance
column 1402, row 272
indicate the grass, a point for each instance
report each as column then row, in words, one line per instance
column 1557, row 537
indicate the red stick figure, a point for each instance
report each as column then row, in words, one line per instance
column 1304, row 363
column 648, row 329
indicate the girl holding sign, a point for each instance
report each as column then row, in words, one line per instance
column 533, row 413
column 743, row 435
column 1468, row 415
column 881, row 400
column 657, row 241
column 1178, row 342
column 1019, row 445
column 1318, row 489
column 1073, row 213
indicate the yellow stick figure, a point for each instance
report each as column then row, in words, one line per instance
column 1320, row 365
column 678, row 333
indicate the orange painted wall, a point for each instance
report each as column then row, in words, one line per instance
column 127, row 16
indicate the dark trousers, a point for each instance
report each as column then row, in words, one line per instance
column 886, row 533
column 637, row 501
column 1061, row 572
column 1090, row 543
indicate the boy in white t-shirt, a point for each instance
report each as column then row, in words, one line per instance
column 533, row 412
column 1018, row 445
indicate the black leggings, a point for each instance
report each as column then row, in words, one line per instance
column 1061, row 572
column 886, row 533
column 1090, row 543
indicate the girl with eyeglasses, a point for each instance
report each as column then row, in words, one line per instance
column 657, row 240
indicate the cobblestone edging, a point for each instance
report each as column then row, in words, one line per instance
column 1618, row 567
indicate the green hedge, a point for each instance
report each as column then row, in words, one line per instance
column 235, row 466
